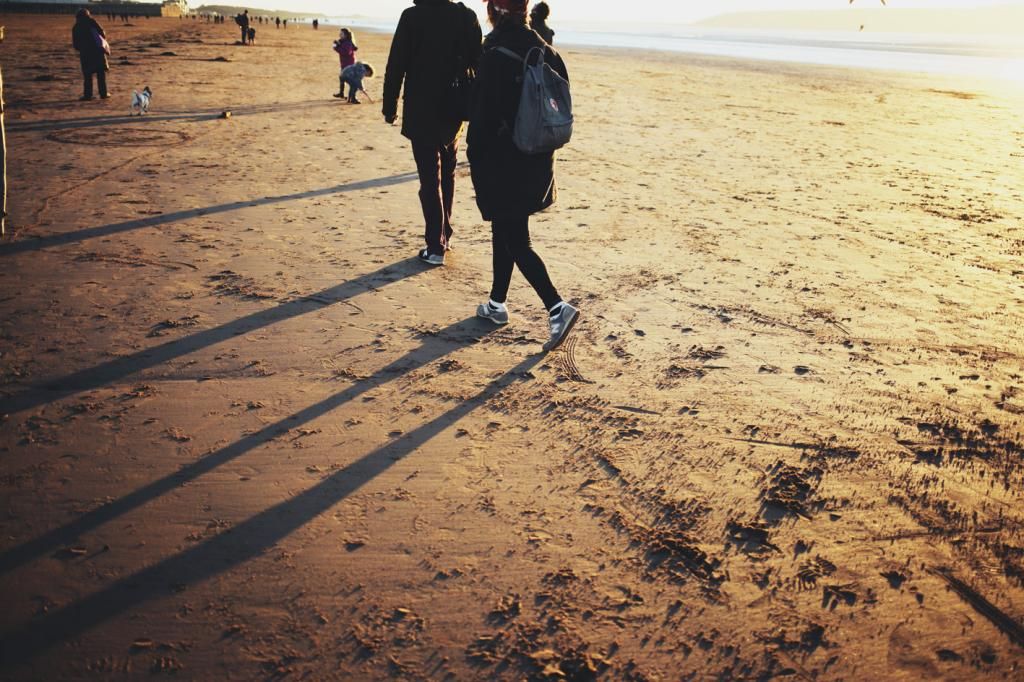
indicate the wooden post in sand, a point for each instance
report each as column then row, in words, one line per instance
column 3, row 152
column 3, row 155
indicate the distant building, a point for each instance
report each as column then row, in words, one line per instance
column 174, row 8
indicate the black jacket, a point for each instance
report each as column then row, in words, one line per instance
column 92, row 55
column 507, row 182
column 436, row 41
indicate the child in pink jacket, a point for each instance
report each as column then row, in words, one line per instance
column 346, row 48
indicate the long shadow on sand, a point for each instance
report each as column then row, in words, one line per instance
column 163, row 219
column 433, row 348
column 246, row 541
column 49, row 126
column 119, row 368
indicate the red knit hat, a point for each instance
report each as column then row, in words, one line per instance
column 510, row 6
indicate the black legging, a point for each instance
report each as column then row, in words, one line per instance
column 510, row 238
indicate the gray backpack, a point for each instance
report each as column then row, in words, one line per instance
column 544, row 119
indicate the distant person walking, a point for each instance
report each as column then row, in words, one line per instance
column 436, row 40
column 316, row 24
column 511, row 185
column 243, row 24
column 88, row 38
column 539, row 22
column 277, row 21
column 346, row 48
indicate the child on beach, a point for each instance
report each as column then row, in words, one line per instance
column 346, row 48
column 354, row 75
column 252, row 36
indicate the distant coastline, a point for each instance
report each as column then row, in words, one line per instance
column 994, row 20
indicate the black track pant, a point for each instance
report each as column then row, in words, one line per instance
column 511, row 243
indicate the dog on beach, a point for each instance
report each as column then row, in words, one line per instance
column 140, row 100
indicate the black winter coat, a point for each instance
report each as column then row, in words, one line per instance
column 435, row 42
column 93, row 58
column 507, row 182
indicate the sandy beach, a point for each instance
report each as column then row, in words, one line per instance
column 244, row 434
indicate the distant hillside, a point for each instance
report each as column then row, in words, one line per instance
column 983, row 20
column 232, row 10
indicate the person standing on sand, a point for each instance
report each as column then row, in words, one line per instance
column 88, row 38
column 346, row 48
column 243, row 23
column 436, row 40
column 538, row 22
column 511, row 185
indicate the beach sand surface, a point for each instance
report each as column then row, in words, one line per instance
column 245, row 435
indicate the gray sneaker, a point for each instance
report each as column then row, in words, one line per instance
column 561, row 324
column 498, row 317
column 431, row 258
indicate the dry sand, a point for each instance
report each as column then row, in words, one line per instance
column 245, row 435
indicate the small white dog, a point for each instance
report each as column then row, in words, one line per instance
column 140, row 100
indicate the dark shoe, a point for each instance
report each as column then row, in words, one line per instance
column 105, row 95
column 338, row 95
column 83, row 98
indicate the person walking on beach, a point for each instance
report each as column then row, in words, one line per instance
column 88, row 38
column 346, row 48
column 510, row 185
column 436, row 40
column 539, row 22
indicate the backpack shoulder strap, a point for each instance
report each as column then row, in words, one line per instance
column 509, row 53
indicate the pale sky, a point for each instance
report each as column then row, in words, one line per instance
column 610, row 10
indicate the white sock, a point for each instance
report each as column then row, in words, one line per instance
column 500, row 307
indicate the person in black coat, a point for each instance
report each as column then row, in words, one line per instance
column 436, row 41
column 510, row 185
column 539, row 22
column 85, row 37
column 243, row 24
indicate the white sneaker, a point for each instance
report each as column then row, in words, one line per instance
column 488, row 312
column 431, row 258
column 562, row 322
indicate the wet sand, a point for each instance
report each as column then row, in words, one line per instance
column 245, row 435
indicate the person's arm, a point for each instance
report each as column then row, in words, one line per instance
column 473, row 47
column 554, row 60
column 485, row 114
column 397, row 68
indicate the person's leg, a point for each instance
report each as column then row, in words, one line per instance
column 449, row 159
column 501, row 261
column 341, row 87
column 87, row 89
column 101, row 82
column 428, row 166
column 517, row 238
